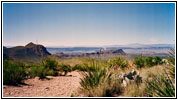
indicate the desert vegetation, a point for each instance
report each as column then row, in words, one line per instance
column 144, row 76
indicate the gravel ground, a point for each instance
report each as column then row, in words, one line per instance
column 60, row 86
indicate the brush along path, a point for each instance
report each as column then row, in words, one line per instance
column 60, row 86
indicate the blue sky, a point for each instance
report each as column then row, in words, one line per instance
column 88, row 24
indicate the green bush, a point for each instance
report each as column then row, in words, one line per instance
column 65, row 68
column 13, row 73
column 149, row 61
column 42, row 72
column 50, row 63
column 171, row 60
column 118, row 61
column 139, row 61
column 39, row 71
column 33, row 71
column 157, row 60
column 48, row 66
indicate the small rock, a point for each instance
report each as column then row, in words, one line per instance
column 127, row 80
column 47, row 88
column 124, row 83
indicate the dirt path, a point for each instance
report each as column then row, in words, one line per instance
column 60, row 86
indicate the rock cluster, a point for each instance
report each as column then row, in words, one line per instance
column 132, row 76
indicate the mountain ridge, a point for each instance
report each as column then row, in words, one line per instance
column 29, row 51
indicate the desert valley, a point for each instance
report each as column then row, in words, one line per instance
column 89, row 49
column 41, row 73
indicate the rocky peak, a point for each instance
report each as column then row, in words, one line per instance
column 31, row 44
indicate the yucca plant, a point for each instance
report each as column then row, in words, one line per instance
column 101, row 83
column 118, row 61
column 172, row 62
column 91, row 80
column 161, row 87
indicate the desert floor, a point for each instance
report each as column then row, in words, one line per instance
column 59, row 86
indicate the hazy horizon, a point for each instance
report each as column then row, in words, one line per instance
column 88, row 24
column 88, row 46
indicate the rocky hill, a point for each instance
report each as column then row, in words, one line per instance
column 29, row 51
column 97, row 53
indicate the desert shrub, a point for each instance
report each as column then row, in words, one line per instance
column 33, row 71
column 149, row 61
column 118, row 61
column 79, row 67
column 172, row 56
column 83, row 67
column 39, row 71
column 139, row 61
column 161, row 86
column 48, row 67
column 92, row 79
column 107, row 88
column 91, row 65
column 13, row 73
column 157, row 60
column 65, row 68
column 172, row 62
column 100, row 83
column 49, row 63
column 112, row 88
column 50, row 72
column 42, row 72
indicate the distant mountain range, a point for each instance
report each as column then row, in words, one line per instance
column 135, row 46
column 91, row 54
column 142, row 46
column 33, row 51
column 30, row 51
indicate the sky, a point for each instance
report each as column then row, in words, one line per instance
column 88, row 24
